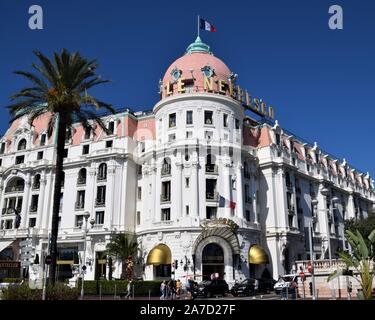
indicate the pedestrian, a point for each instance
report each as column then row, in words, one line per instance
column 350, row 289
column 256, row 287
column 294, row 286
column 178, row 289
column 128, row 289
column 163, row 290
column 311, row 288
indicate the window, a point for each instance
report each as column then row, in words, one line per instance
column 8, row 224
column 109, row 144
column 80, row 204
column 143, row 147
column 278, row 141
column 43, row 139
column 2, row 148
column 68, row 135
column 247, row 215
column 208, row 117
column 290, row 220
column 189, row 134
column 22, row 145
column 79, row 221
column 65, row 153
column 87, row 133
column 139, row 169
column 102, row 172
column 63, row 179
column 247, row 194
column 81, row 176
column 187, row 210
column 172, row 120
column 225, row 120
column 20, row 159
column 139, row 193
column 187, row 157
column 39, row 155
column 166, row 214
column 211, row 212
column 165, row 191
column 187, row 182
column 1, row 162
column 111, row 127
column 138, row 218
column 237, row 124
column 99, row 217
column 189, row 117
column 86, row 149
column 34, row 203
column 32, row 222
column 59, row 222
column 100, row 196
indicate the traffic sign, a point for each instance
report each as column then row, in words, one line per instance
column 48, row 259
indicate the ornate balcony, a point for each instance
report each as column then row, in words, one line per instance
column 33, row 208
column 165, row 197
column 165, row 170
column 11, row 189
column 212, row 196
column 99, row 202
column 79, row 205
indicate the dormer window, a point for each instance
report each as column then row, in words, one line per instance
column 87, row 133
column 277, row 135
column 111, row 127
column 176, row 74
column 43, row 139
column 22, row 145
column 208, row 71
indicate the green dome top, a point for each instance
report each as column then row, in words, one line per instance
column 198, row 46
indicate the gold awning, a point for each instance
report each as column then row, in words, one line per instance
column 161, row 254
column 257, row 255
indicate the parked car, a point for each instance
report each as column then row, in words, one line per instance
column 284, row 282
column 209, row 288
column 247, row 286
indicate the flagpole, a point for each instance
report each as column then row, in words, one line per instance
column 198, row 25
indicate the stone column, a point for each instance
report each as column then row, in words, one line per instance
column 25, row 202
column 195, row 189
column 43, row 183
column 239, row 185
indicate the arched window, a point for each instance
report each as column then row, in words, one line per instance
column 22, row 144
column 166, row 167
column 81, row 176
column 102, row 172
column 16, row 184
column 36, row 182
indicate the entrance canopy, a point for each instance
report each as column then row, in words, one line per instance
column 161, row 254
column 222, row 232
column 257, row 255
column 5, row 244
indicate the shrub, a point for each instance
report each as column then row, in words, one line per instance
column 23, row 292
column 10, row 280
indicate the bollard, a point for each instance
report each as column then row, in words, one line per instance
column 287, row 293
column 149, row 294
column 133, row 291
column 115, row 293
column 100, row 292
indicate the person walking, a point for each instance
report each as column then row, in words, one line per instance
column 178, row 289
column 128, row 289
column 256, row 287
column 163, row 290
column 294, row 286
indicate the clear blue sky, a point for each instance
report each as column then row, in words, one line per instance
column 320, row 82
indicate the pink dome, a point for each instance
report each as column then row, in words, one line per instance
column 190, row 67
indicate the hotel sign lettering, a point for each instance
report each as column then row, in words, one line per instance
column 223, row 87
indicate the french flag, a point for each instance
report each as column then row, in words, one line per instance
column 205, row 25
column 225, row 203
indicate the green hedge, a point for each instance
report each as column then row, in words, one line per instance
column 23, row 292
column 10, row 280
column 141, row 288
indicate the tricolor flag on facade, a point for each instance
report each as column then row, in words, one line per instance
column 205, row 25
column 225, row 203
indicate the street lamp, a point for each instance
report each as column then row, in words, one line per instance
column 86, row 216
column 185, row 265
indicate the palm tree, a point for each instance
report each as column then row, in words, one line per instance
column 123, row 247
column 362, row 259
column 59, row 88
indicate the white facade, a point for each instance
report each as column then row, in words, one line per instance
column 161, row 175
